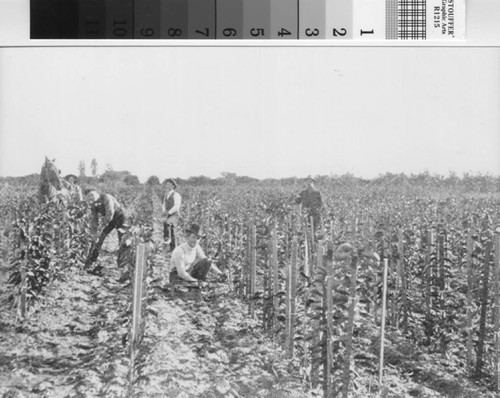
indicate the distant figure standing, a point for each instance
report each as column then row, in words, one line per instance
column 171, row 212
column 189, row 262
column 311, row 202
column 74, row 188
column 113, row 217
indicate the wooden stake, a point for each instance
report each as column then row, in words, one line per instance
column 312, row 248
column 23, row 288
column 328, row 306
column 382, row 327
column 240, row 286
column 346, row 379
column 319, row 260
column 496, row 317
column 267, row 291
column 307, row 271
column 137, row 290
column 248, row 262
column 484, row 307
column 306, row 251
column 291, row 298
column 274, row 270
column 395, row 294
column 253, row 268
column 230, row 248
column 402, row 276
column 366, row 227
column 24, row 244
column 428, row 285
column 316, row 324
column 470, row 287
column 440, row 260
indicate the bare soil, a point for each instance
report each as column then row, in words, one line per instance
column 197, row 343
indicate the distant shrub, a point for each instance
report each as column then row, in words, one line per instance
column 112, row 175
column 131, row 180
column 153, row 180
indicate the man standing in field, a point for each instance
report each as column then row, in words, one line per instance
column 311, row 202
column 188, row 260
column 171, row 213
column 113, row 217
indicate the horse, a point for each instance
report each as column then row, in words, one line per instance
column 52, row 186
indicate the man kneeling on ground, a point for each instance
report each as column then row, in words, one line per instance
column 188, row 261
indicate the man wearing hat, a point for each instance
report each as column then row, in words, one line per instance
column 113, row 217
column 188, row 261
column 310, row 201
column 70, row 182
column 171, row 212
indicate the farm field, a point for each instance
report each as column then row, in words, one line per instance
column 294, row 318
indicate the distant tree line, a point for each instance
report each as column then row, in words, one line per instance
column 468, row 182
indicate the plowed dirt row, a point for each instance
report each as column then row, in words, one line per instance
column 197, row 343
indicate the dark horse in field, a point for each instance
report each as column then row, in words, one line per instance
column 53, row 188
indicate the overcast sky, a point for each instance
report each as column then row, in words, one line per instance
column 261, row 112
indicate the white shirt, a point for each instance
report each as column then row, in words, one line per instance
column 177, row 202
column 183, row 257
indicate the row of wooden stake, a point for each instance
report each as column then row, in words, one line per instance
column 291, row 286
column 291, row 302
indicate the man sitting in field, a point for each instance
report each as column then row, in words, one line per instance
column 188, row 261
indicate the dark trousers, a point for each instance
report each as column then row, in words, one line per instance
column 316, row 219
column 118, row 222
column 169, row 233
column 199, row 271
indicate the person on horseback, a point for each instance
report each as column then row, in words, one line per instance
column 71, row 183
column 52, row 188
column 112, row 216
column 171, row 212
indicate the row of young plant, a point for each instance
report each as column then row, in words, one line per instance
column 441, row 280
column 10, row 197
column 44, row 240
column 41, row 241
column 137, row 255
column 439, row 287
